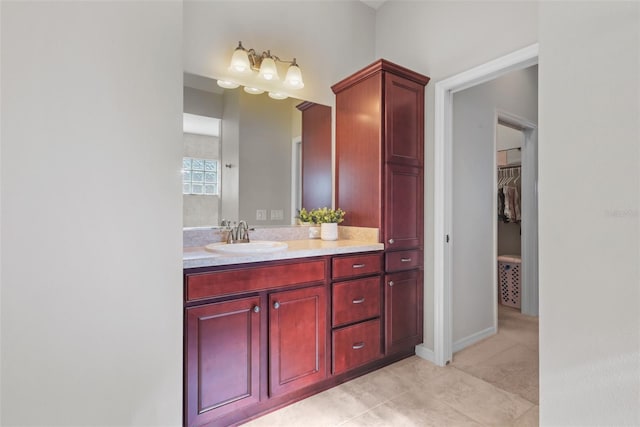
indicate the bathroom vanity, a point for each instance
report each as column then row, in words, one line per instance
column 262, row 332
column 260, row 335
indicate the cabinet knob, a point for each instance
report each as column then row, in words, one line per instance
column 276, row 305
column 391, row 283
column 256, row 309
column 391, row 241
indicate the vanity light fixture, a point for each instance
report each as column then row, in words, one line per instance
column 277, row 95
column 245, row 62
column 253, row 90
column 227, row 84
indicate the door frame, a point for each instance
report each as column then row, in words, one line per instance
column 443, row 237
column 296, row 177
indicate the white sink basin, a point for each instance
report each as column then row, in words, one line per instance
column 254, row 247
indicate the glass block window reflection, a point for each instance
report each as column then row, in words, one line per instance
column 199, row 176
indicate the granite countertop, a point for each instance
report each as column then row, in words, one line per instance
column 200, row 257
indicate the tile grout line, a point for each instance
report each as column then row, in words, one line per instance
column 373, row 407
column 484, row 359
column 516, row 395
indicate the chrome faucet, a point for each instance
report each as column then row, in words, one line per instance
column 236, row 233
column 242, row 237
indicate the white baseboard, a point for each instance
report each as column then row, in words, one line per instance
column 425, row 353
column 472, row 339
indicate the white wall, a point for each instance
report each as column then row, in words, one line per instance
column 91, row 213
column 230, row 171
column 590, row 258
column 1, row 239
column 202, row 103
column 265, row 158
column 508, row 138
column 330, row 39
column 441, row 39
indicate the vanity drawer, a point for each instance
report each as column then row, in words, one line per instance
column 403, row 260
column 357, row 265
column 356, row 300
column 253, row 279
column 356, row 345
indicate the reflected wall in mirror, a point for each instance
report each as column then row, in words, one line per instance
column 264, row 170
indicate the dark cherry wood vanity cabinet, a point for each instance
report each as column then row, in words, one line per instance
column 316, row 155
column 356, row 311
column 222, row 347
column 253, row 333
column 297, row 338
column 380, row 183
column 260, row 336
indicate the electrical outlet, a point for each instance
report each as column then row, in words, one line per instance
column 261, row 215
column 277, row 214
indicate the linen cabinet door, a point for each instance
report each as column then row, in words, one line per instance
column 297, row 338
column 404, row 120
column 403, row 310
column 222, row 355
column 403, row 208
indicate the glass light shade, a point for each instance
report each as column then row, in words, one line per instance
column 240, row 60
column 277, row 95
column 227, row 84
column 294, row 77
column 253, row 90
column 268, row 70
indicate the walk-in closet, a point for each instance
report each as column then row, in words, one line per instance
column 509, row 142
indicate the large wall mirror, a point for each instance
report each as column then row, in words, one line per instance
column 252, row 157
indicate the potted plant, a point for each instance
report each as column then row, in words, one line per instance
column 323, row 222
column 305, row 217
column 328, row 220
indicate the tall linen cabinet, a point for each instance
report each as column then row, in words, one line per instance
column 380, row 181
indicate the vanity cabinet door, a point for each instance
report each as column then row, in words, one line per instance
column 403, row 208
column 297, row 338
column 404, row 118
column 403, row 310
column 222, row 354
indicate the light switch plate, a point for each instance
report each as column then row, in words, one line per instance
column 261, row 215
column 277, row 214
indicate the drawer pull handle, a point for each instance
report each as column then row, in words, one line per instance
column 358, row 346
column 276, row 305
column 358, row 301
column 405, row 259
column 256, row 309
column 357, row 266
column 391, row 283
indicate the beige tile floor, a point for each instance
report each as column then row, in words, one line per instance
column 491, row 383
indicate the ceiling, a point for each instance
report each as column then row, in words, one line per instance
column 373, row 3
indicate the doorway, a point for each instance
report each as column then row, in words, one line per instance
column 443, row 182
column 521, row 163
